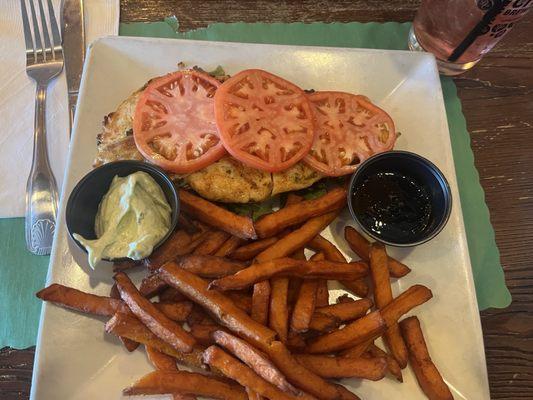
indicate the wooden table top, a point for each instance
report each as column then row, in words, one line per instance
column 497, row 97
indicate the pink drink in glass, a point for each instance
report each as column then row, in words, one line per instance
column 460, row 32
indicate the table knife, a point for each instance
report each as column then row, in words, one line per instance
column 73, row 34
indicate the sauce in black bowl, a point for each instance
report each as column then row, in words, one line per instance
column 393, row 204
column 399, row 198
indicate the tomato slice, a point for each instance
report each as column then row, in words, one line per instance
column 349, row 130
column 264, row 121
column 174, row 124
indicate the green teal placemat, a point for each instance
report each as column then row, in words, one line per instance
column 22, row 274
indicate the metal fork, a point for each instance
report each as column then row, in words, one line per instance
column 44, row 61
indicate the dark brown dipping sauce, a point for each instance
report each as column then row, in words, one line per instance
column 392, row 205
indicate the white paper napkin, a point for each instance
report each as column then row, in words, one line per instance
column 17, row 101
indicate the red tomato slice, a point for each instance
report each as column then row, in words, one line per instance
column 349, row 130
column 264, row 121
column 174, row 125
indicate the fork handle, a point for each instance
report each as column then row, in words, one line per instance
column 41, row 188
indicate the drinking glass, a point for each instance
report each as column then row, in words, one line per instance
column 460, row 32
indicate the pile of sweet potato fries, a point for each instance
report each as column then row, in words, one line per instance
column 239, row 304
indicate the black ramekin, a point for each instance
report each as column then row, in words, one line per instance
column 84, row 199
column 424, row 172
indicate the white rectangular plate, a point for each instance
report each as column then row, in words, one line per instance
column 76, row 359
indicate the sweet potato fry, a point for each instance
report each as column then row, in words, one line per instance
column 427, row 374
column 252, row 357
column 229, row 246
column 293, row 198
column 369, row 327
column 152, row 285
column 296, row 342
column 294, row 288
column 216, row 216
column 241, row 300
column 128, row 326
column 206, row 266
column 299, row 254
column 167, row 382
column 345, row 394
column 261, row 302
column 199, row 225
column 130, row 345
column 288, row 267
column 357, row 287
column 298, row 238
column 253, row 395
column 346, row 311
column 295, row 283
column 332, row 253
column 392, row 365
column 405, row 302
column 176, row 311
column 357, row 242
column 361, row 247
column 99, row 305
column 187, row 224
column 160, row 360
column 344, row 299
column 322, row 292
column 77, row 300
column 322, row 245
column 323, row 323
column 163, row 362
column 250, row 250
column 397, row 269
column 199, row 316
column 278, row 316
column 212, row 242
column 339, row 340
column 171, row 295
column 317, row 257
column 358, row 350
column 113, row 292
column 219, row 306
column 304, row 306
column 234, row 369
column 203, row 333
column 257, row 272
column 373, row 369
column 155, row 320
column 294, row 214
column 178, row 244
column 300, row 376
column 383, row 296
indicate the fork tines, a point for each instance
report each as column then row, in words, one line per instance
column 40, row 47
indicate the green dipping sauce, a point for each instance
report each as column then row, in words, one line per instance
column 132, row 218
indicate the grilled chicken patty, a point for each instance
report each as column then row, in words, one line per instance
column 226, row 180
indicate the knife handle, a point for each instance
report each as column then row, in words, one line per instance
column 72, row 100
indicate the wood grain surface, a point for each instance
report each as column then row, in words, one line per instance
column 497, row 98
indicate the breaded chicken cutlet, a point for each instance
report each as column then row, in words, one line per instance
column 226, row 180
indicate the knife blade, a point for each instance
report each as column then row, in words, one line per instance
column 73, row 36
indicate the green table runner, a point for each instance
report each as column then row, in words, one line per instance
column 21, row 274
